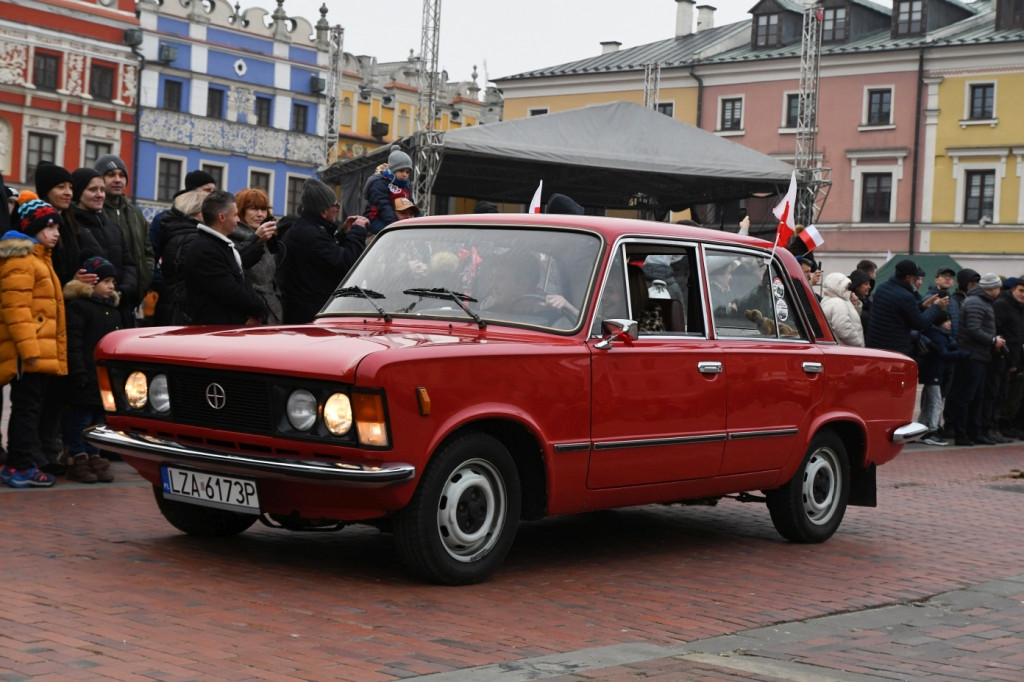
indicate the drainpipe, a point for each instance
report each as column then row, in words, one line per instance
column 138, row 117
column 917, row 144
column 700, row 93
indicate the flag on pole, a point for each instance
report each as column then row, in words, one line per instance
column 811, row 237
column 535, row 202
column 784, row 212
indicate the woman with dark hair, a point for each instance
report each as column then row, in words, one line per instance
column 256, row 240
column 53, row 185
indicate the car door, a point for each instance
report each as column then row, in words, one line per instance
column 658, row 406
column 773, row 373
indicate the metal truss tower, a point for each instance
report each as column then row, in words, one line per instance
column 813, row 181
column 652, row 84
column 334, row 66
column 428, row 141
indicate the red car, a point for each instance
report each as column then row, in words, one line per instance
column 471, row 372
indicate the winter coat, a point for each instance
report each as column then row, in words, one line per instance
column 380, row 194
column 90, row 318
column 1010, row 325
column 841, row 313
column 978, row 325
column 32, row 310
column 74, row 248
column 135, row 228
column 939, row 362
column 953, row 308
column 5, row 211
column 177, row 231
column 316, row 260
column 216, row 289
column 115, row 249
column 260, row 268
column 895, row 312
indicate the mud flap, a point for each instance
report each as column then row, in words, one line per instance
column 863, row 488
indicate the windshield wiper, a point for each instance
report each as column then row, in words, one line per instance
column 368, row 294
column 449, row 295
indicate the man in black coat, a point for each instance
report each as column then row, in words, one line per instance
column 317, row 256
column 1009, row 312
column 217, row 292
column 896, row 311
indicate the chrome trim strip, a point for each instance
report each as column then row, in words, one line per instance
column 773, row 433
column 330, row 473
column 909, row 432
column 653, row 442
column 572, row 447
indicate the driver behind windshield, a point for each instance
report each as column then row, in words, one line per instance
column 515, row 288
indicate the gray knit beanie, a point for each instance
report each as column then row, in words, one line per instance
column 109, row 162
column 398, row 159
column 316, row 197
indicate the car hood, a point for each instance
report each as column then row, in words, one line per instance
column 312, row 350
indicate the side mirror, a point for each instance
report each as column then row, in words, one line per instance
column 616, row 328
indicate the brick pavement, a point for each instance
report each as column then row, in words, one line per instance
column 99, row 586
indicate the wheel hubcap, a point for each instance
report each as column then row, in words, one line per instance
column 471, row 510
column 821, row 485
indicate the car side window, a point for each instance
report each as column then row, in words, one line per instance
column 749, row 298
column 663, row 294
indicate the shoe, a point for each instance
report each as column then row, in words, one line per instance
column 5, row 474
column 998, row 437
column 100, row 466
column 79, row 470
column 30, row 478
column 934, row 439
column 982, row 440
column 964, row 442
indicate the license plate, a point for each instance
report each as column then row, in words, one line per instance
column 210, row 490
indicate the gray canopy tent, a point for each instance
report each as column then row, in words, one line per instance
column 617, row 155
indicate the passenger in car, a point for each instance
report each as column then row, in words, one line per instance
column 515, row 288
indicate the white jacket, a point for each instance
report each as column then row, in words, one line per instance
column 842, row 315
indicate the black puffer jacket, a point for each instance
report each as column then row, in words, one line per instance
column 895, row 312
column 977, row 325
column 108, row 235
column 89, row 319
column 177, row 231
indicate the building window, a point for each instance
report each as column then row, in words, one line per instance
column 41, row 147
column 980, row 199
column 983, row 101
column 833, row 25
column 172, row 96
column 300, row 117
column 792, row 111
column 216, row 172
column 260, row 180
column 46, row 71
column 538, row 111
column 94, row 150
column 667, row 108
column 1010, row 15
column 732, row 114
column 403, row 123
column 262, row 108
column 767, row 30
column 346, row 112
column 879, row 107
column 909, row 16
column 876, row 197
column 101, row 82
column 215, row 103
column 168, row 179
column 294, row 197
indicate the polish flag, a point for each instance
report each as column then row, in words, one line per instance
column 811, row 237
column 535, row 202
column 784, row 212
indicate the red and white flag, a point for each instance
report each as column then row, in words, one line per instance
column 784, row 212
column 535, row 202
column 811, row 237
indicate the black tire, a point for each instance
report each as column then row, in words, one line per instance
column 462, row 520
column 810, row 507
column 204, row 522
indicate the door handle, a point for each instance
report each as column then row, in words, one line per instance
column 709, row 367
column 813, row 367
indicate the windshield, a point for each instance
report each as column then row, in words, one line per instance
column 519, row 276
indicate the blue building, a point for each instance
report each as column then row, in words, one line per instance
column 241, row 95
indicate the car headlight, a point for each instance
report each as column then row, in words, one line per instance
column 301, row 409
column 159, row 395
column 338, row 414
column 136, row 390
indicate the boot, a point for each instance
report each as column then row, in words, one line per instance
column 100, row 467
column 79, row 470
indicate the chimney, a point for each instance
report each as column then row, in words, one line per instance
column 684, row 17
column 608, row 46
column 705, row 17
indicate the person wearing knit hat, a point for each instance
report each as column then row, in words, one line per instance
column 318, row 253
column 385, row 187
column 200, row 179
column 48, row 176
column 92, row 314
column 897, row 311
column 194, row 180
column 80, row 179
column 130, row 219
column 33, row 342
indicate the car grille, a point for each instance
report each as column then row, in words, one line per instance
column 246, row 404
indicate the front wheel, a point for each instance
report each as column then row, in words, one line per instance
column 811, row 505
column 204, row 522
column 462, row 520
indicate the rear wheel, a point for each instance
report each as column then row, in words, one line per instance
column 810, row 507
column 462, row 520
column 204, row 522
